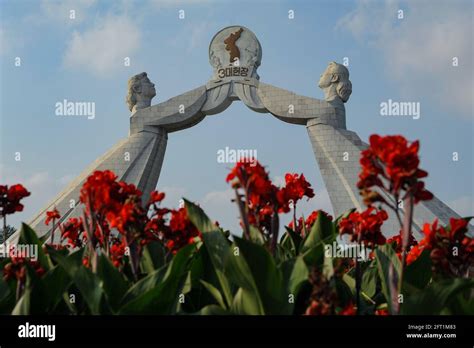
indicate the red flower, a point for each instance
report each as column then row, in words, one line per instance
column 52, row 216
column 412, row 253
column 295, row 189
column 348, row 310
column 10, row 198
column 156, row 197
column 181, row 231
column 117, row 252
column 365, row 227
column 308, row 224
column 382, row 312
column 73, row 231
column 391, row 159
column 452, row 250
column 16, row 268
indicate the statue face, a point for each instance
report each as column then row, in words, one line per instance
column 147, row 88
column 326, row 78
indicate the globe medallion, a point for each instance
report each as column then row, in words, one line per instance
column 235, row 52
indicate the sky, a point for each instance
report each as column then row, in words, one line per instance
column 398, row 50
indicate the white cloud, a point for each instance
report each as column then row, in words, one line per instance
column 418, row 50
column 60, row 10
column 101, row 49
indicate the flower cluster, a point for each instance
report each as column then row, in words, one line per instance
column 390, row 163
column 365, row 227
column 16, row 268
column 304, row 226
column 452, row 250
column 263, row 200
column 413, row 249
column 10, row 198
column 73, row 232
column 324, row 299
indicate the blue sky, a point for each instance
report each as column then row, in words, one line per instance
column 81, row 59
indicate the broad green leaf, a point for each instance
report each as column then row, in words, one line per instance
column 215, row 293
column 23, row 305
column 323, row 230
column 389, row 275
column 213, row 310
column 264, row 278
column 369, row 281
column 113, row 282
column 418, row 273
column 436, row 296
column 216, row 244
column 299, row 275
column 163, row 297
column 153, row 257
column 246, row 302
column 28, row 236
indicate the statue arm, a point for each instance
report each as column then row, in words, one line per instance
column 177, row 113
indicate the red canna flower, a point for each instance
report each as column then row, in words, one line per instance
column 16, row 268
column 117, row 252
column 348, row 310
column 452, row 250
column 296, row 188
column 73, row 231
column 156, row 197
column 310, row 220
column 364, row 227
column 10, row 198
column 52, row 216
column 181, row 231
column 391, row 161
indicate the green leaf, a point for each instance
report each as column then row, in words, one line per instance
column 247, row 302
column 389, row 268
column 23, row 305
column 323, row 230
column 90, row 287
column 199, row 218
column 212, row 310
column 28, row 236
column 299, row 275
column 215, row 293
column 436, row 296
column 418, row 273
column 113, row 282
column 55, row 283
column 369, row 281
column 254, row 270
column 216, row 244
column 153, row 257
column 163, row 297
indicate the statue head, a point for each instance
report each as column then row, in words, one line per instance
column 335, row 83
column 140, row 92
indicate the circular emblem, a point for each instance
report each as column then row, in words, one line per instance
column 235, row 52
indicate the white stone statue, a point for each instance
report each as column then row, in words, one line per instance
column 335, row 83
column 140, row 92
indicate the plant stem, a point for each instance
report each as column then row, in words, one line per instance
column 358, row 285
column 5, row 230
column 275, row 227
column 243, row 215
